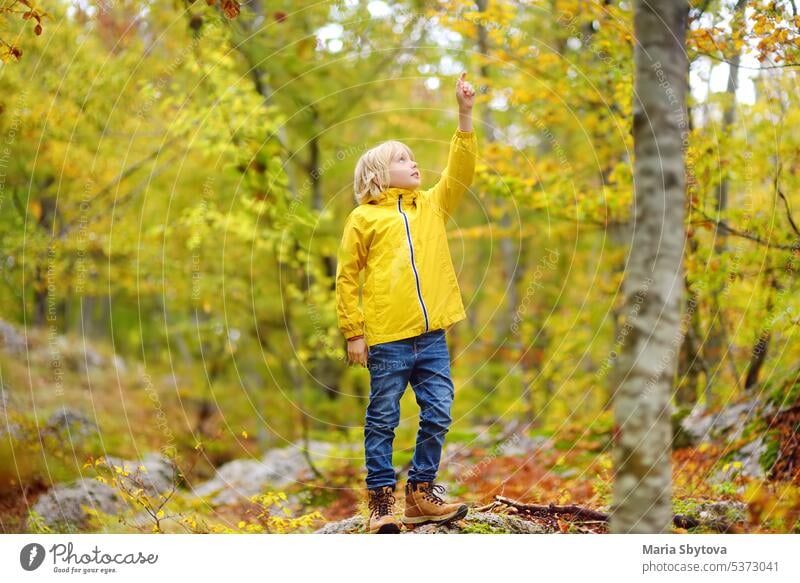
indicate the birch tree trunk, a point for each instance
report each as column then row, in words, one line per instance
column 653, row 284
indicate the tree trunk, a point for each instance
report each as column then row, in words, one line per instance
column 758, row 356
column 511, row 271
column 653, row 286
column 691, row 363
column 717, row 343
column 508, row 251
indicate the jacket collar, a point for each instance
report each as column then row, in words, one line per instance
column 390, row 196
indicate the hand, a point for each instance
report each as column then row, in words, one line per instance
column 357, row 352
column 465, row 94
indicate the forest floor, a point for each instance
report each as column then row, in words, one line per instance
column 528, row 470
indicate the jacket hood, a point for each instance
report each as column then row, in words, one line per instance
column 390, row 196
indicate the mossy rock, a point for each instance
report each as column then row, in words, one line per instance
column 473, row 523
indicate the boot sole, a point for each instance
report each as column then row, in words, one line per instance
column 386, row 529
column 457, row 515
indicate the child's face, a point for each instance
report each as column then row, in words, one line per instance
column 403, row 171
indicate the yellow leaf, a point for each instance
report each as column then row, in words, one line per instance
column 36, row 209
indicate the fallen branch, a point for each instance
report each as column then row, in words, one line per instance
column 487, row 507
column 554, row 509
column 588, row 515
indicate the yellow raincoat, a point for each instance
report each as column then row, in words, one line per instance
column 398, row 238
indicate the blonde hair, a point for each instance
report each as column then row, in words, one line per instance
column 372, row 169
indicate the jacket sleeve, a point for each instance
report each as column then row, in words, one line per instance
column 457, row 176
column 351, row 259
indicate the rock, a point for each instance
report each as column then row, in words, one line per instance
column 484, row 523
column 70, row 424
column 156, row 478
column 720, row 511
column 86, row 359
column 745, row 462
column 236, row 480
column 516, row 443
column 80, row 357
column 697, row 425
column 170, row 382
column 119, row 364
column 727, row 423
column 730, row 421
column 474, row 522
column 61, row 508
column 8, row 411
column 352, row 525
column 7, row 400
column 728, row 426
column 278, row 468
column 524, row 445
column 10, row 340
column 566, row 472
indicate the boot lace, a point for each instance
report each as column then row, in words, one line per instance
column 431, row 491
column 381, row 503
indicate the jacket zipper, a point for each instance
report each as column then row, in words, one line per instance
column 413, row 266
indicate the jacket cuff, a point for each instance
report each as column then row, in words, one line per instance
column 464, row 134
column 353, row 332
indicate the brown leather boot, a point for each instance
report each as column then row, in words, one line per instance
column 423, row 505
column 381, row 518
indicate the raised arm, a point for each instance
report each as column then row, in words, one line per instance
column 457, row 176
column 352, row 258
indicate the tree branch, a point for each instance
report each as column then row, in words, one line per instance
column 755, row 238
column 785, row 201
column 587, row 514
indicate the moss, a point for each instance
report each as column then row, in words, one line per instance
column 565, row 444
column 724, row 489
column 461, row 436
column 770, row 454
column 482, row 528
column 785, row 391
column 684, row 506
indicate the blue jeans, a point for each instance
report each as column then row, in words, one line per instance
column 424, row 361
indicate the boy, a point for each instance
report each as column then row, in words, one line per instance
column 397, row 235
